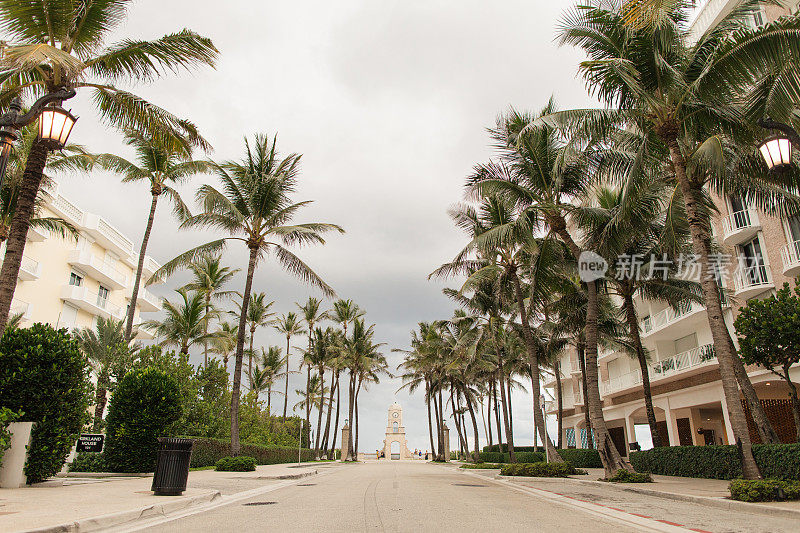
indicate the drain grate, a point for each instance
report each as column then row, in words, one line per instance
column 259, row 503
column 306, row 484
column 467, row 485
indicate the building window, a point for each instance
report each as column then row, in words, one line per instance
column 69, row 315
column 394, row 427
column 75, row 279
column 740, row 216
column 102, row 297
column 751, row 262
column 684, row 344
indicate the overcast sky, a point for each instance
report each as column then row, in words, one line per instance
column 388, row 102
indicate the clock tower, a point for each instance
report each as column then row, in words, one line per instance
column 395, row 433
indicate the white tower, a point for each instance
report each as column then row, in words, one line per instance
column 395, row 432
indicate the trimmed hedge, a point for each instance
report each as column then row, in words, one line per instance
column 540, row 470
column 522, row 457
column 778, row 461
column 44, row 375
column 581, row 457
column 240, row 463
column 143, row 407
column 625, row 476
column 517, row 449
column 764, row 490
column 206, row 452
column 481, row 466
column 89, row 462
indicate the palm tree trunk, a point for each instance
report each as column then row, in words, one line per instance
column 334, row 383
column 698, row 226
column 498, row 425
column 321, row 408
column 489, row 437
column 586, row 420
column 269, row 399
column 533, row 360
column 351, row 393
column 442, row 451
column 140, row 266
column 355, row 407
column 612, row 460
column 795, row 401
column 474, row 428
column 237, row 367
column 308, row 404
column 205, row 330
column 15, row 245
column 286, row 386
column 338, row 403
column 250, row 356
column 101, row 396
column 762, row 423
column 436, row 449
column 456, row 419
column 428, row 406
column 633, row 331
column 560, row 401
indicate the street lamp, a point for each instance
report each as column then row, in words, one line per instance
column 777, row 149
column 55, row 124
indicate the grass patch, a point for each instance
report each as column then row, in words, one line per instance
column 202, row 468
column 626, row 476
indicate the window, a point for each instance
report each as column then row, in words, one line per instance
column 684, row 344
column 740, row 216
column 794, row 229
column 75, row 279
column 394, row 427
column 614, row 368
column 69, row 316
column 751, row 263
column 102, row 297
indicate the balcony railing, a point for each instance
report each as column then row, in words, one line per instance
column 662, row 369
column 747, row 279
column 19, row 307
column 791, row 257
column 70, row 211
column 742, row 223
column 577, row 396
column 97, row 268
column 667, row 316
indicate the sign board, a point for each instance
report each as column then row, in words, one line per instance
column 88, row 442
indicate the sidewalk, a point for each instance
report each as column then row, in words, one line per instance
column 87, row 504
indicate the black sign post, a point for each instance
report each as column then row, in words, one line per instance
column 89, row 442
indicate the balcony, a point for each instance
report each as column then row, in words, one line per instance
column 29, row 270
column 36, row 234
column 108, row 236
column 749, row 281
column 791, row 259
column 143, row 332
column 66, row 210
column 18, row 307
column 740, row 226
column 679, row 363
column 577, row 396
column 96, row 268
column 147, row 301
column 92, row 303
column 149, row 268
column 686, row 314
column 550, row 406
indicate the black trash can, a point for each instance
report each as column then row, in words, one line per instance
column 172, row 466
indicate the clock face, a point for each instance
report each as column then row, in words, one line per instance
column 394, row 415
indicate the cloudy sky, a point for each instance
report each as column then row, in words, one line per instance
column 388, row 102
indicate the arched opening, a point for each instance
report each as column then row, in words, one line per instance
column 395, row 450
column 394, row 427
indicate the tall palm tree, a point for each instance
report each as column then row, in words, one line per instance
column 315, row 396
column 271, row 365
column 255, row 207
column 694, row 100
column 183, row 326
column 108, row 350
column 290, row 326
column 258, row 314
column 49, row 46
column 161, row 167
column 311, row 315
column 223, row 341
column 208, row 279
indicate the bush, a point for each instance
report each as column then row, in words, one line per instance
column 764, row 490
column 206, row 452
column 778, row 461
column 142, row 408
column 626, row 476
column 540, row 470
column 44, row 375
column 89, row 462
column 522, row 457
column 240, row 463
column 517, row 449
column 491, row 457
column 6, row 417
column 481, row 466
column 581, row 457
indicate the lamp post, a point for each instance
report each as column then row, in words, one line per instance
column 777, row 149
column 55, row 124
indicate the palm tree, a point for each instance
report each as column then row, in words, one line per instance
column 108, row 350
column 223, row 341
column 255, row 207
column 289, row 325
column 314, row 396
column 694, row 101
column 311, row 315
column 161, row 167
column 208, row 279
column 271, row 364
column 49, row 46
column 258, row 314
column 183, row 326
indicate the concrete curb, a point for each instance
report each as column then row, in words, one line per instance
column 101, row 475
column 106, row 521
column 283, row 476
column 721, row 503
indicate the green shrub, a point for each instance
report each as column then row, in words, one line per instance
column 142, row 408
column 522, row 457
column 517, row 449
column 206, row 452
column 491, row 457
column 778, row 461
column 581, row 457
column 764, row 490
column 44, row 375
column 89, row 462
column 540, row 470
column 6, row 417
column 240, row 463
column 626, row 476
column 481, row 466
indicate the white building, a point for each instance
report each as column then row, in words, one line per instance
column 687, row 391
column 69, row 283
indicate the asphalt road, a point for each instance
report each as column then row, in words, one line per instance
column 395, row 496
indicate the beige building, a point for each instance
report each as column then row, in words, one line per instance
column 394, row 445
column 687, row 391
column 69, row 283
